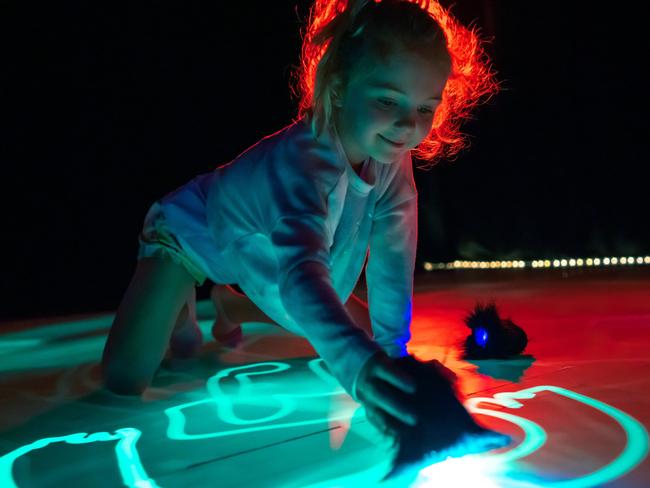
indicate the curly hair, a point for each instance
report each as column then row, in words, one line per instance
column 339, row 32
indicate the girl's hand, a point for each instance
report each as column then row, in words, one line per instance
column 385, row 390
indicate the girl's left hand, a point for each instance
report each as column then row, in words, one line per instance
column 385, row 390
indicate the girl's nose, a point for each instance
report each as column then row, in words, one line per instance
column 404, row 128
column 405, row 122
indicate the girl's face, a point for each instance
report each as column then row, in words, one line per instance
column 387, row 108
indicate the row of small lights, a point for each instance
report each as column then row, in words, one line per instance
column 541, row 263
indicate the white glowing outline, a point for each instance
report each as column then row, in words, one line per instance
column 128, row 459
column 635, row 451
column 134, row 475
column 224, row 403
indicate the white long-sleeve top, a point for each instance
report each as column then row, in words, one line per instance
column 291, row 223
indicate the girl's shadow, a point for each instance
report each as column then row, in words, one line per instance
column 511, row 369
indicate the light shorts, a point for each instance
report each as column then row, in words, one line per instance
column 157, row 241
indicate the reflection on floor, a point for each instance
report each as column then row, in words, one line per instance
column 269, row 414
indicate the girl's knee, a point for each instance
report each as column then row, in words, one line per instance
column 125, row 377
column 122, row 381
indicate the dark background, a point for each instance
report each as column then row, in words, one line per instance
column 106, row 107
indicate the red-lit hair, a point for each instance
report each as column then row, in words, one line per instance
column 470, row 83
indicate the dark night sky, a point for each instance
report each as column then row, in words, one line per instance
column 108, row 106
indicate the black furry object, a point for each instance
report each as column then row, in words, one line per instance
column 492, row 336
column 444, row 427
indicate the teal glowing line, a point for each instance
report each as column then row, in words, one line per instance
column 534, row 435
column 128, row 459
column 632, row 455
column 225, row 409
column 176, row 429
column 15, row 345
column 134, row 475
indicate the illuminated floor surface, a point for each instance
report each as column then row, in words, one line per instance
column 268, row 414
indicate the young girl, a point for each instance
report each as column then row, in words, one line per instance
column 292, row 219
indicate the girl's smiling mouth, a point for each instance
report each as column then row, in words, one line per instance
column 394, row 144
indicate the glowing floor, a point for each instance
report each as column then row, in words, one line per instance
column 268, row 414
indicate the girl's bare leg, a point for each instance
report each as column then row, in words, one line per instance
column 186, row 337
column 143, row 324
column 232, row 310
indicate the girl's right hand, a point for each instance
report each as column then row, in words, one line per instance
column 385, row 389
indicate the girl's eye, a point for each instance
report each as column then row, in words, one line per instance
column 385, row 102
column 389, row 103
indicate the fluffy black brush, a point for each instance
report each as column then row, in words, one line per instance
column 492, row 336
column 444, row 429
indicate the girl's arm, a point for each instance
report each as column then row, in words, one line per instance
column 309, row 297
column 391, row 262
column 389, row 275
